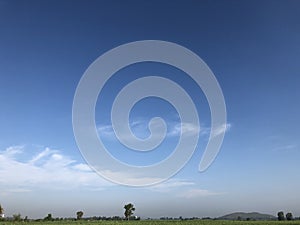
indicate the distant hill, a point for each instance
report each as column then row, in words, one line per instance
column 245, row 216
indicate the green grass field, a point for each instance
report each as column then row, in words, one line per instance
column 158, row 222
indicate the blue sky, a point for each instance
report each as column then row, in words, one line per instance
column 253, row 49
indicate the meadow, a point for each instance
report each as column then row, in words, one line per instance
column 157, row 222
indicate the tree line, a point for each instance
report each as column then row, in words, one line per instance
column 128, row 215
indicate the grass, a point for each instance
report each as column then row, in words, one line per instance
column 158, row 222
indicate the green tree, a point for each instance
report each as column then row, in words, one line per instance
column 17, row 217
column 280, row 216
column 289, row 216
column 49, row 217
column 1, row 210
column 79, row 215
column 129, row 209
column 1, row 213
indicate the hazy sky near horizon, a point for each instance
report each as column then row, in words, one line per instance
column 253, row 49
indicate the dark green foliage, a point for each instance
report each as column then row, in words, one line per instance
column 280, row 216
column 17, row 217
column 79, row 215
column 129, row 209
column 289, row 216
column 1, row 210
column 48, row 217
column 1, row 213
column 150, row 222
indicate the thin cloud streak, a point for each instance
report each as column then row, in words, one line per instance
column 170, row 185
column 221, row 129
column 198, row 193
column 140, row 127
column 182, row 189
column 288, row 147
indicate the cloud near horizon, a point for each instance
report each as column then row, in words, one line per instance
column 50, row 169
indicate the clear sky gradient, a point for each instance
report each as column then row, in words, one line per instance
column 252, row 47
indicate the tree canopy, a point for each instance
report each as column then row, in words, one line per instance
column 289, row 216
column 129, row 209
column 79, row 215
column 280, row 216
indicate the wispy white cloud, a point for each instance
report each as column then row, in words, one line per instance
column 221, row 129
column 47, row 169
column 196, row 193
column 105, row 130
column 12, row 151
column 182, row 189
column 184, row 128
column 41, row 155
column 170, row 185
column 82, row 167
column 287, row 147
column 51, row 170
column 140, row 127
column 133, row 178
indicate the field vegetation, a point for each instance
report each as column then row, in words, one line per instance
column 153, row 222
